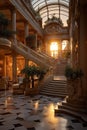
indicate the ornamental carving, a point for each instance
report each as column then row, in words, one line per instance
column 55, row 29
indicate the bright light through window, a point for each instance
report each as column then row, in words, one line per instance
column 54, row 46
column 54, row 49
column 64, row 44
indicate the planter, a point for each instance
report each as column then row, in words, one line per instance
column 31, row 91
column 74, row 89
column 31, row 72
column 74, row 84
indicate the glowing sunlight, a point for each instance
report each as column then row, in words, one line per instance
column 54, row 49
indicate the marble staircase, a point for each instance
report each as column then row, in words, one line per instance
column 41, row 60
column 55, row 88
column 60, row 67
column 73, row 110
column 56, row 85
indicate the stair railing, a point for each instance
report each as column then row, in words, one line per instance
column 32, row 55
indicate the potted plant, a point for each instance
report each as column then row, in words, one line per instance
column 30, row 73
column 74, row 82
column 73, row 74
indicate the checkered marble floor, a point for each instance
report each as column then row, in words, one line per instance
column 21, row 112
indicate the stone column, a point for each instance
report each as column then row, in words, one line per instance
column 14, row 24
column 26, row 26
column 35, row 41
column 26, row 62
column 77, row 89
column 83, row 47
column 26, row 29
column 14, row 68
column 40, row 45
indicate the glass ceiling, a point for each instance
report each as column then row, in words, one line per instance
column 49, row 8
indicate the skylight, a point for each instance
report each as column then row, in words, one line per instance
column 49, row 8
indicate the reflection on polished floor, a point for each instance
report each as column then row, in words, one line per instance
column 34, row 113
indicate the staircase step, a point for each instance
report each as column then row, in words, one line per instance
column 76, row 106
column 50, row 90
column 81, row 116
column 55, row 90
column 55, row 95
column 52, row 82
column 66, row 106
column 57, row 85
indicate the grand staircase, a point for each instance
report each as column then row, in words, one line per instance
column 60, row 67
column 39, row 58
column 55, row 87
column 32, row 55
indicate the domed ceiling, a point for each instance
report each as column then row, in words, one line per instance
column 52, row 8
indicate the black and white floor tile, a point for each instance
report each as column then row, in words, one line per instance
column 34, row 113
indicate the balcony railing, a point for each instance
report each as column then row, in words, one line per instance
column 32, row 55
column 39, row 58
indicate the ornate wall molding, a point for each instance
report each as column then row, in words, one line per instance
column 55, row 30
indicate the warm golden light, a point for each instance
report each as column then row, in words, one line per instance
column 54, row 46
column 36, row 105
column 8, row 101
column 54, row 49
column 51, row 114
column 64, row 44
